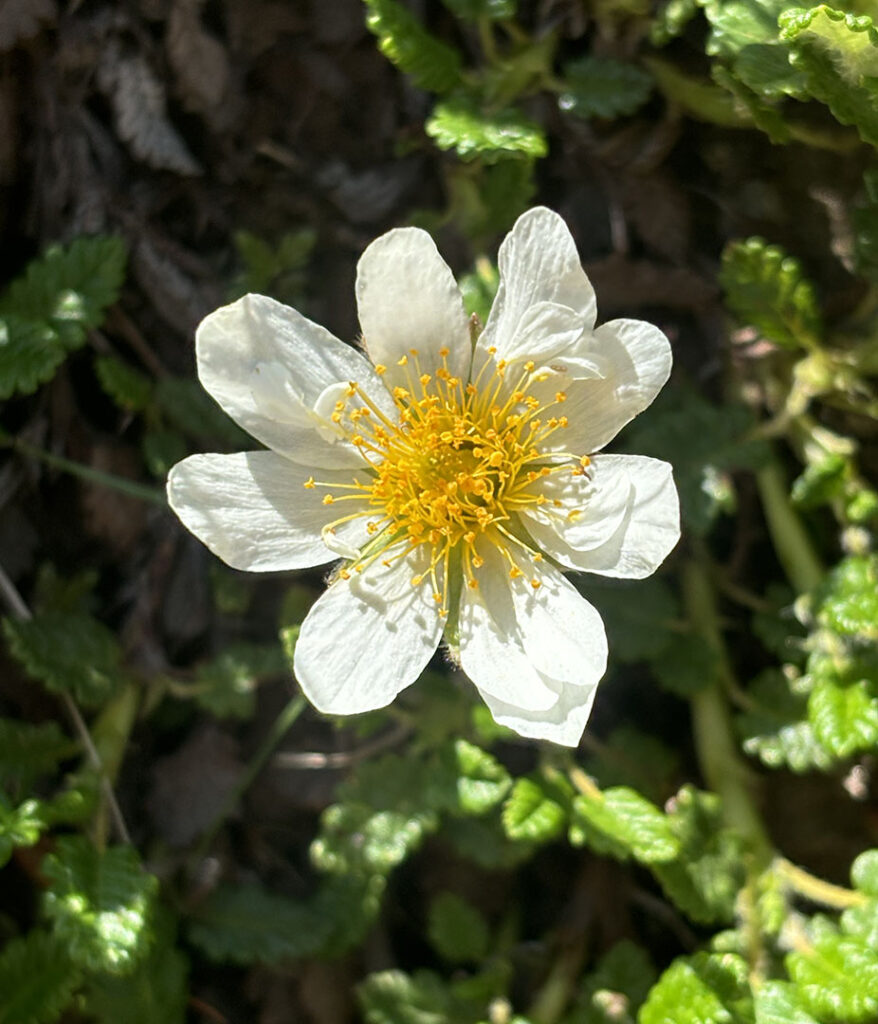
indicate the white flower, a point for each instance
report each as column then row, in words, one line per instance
column 454, row 478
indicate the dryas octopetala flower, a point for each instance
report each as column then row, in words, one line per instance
column 456, row 475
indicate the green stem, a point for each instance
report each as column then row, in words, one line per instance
column 816, row 890
column 724, row 771
column 94, row 476
column 110, row 732
column 791, row 542
column 282, row 724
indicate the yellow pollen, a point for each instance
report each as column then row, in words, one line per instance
column 560, row 396
column 309, row 483
column 446, row 471
column 380, row 368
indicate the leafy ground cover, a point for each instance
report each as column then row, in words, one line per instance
column 180, row 838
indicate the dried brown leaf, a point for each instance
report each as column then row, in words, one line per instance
column 23, row 19
column 140, row 110
column 199, row 60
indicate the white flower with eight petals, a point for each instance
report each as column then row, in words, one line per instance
column 454, row 478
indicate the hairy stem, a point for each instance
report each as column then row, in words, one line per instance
column 791, row 542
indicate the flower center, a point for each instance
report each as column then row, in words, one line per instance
column 454, row 469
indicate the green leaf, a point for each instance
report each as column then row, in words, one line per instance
column 392, row 997
column 46, row 312
column 480, row 286
column 848, row 601
column 624, row 823
column 28, row 751
column 485, row 198
column 707, row 988
column 864, row 873
column 248, row 924
column 356, row 839
column 19, row 826
column 775, row 1002
column 461, row 124
column 484, row 842
column 457, row 931
column 844, row 715
column 603, row 87
column 705, row 879
column 636, row 620
column 68, row 652
column 227, row 684
column 776, row 729
column 129, row 388
column 70, row 285
column 836, row 977
column 862, row 923
column 766, row 289
column 30, row 353
column 480, row 781
column 37, row 979
column 821, row 482
column 687, row 665
column 279, row 270
column 100, row 904
column 530, row 813
column 703, row 442
column 156, row 991
column 837, row 54
column 473, row 10
column 746, row 34
column 670, row 21
column 406, row 43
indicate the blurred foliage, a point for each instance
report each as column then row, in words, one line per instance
column 455, row 872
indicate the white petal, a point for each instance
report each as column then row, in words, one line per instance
column 544, row 651
column 538, row 264
column 252, row 509
column 635, row 360
column 267, row 366
column 368, row 637
column 563, row 723
column 641, row 539
column 592, row 507
column 408, row 299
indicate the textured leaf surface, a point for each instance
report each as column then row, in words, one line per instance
column 705, row 879
column 480, row 781
column 68, row 652
column 100, row 904
column 837, row 54
column 844, row 716
column 45, row 313
column 19, row 826
column 703, row 442
column 461, row 124
column 603, row 87
column 775, row 1002
column 849, row 599
column 531, row 813
column 249, row 924
column 707, row 988
column 457, row 931
column 766, row 289
column 28, row 751
column 227, row 684
column 129, row 388
column 776, row 729
column 37, row 979
column 631, row 824
column 836, row 978
column 405, row 42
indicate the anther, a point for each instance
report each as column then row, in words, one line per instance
column 309, row 483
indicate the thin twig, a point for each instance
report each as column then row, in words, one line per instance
column 316, row 759
column 20, row 610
